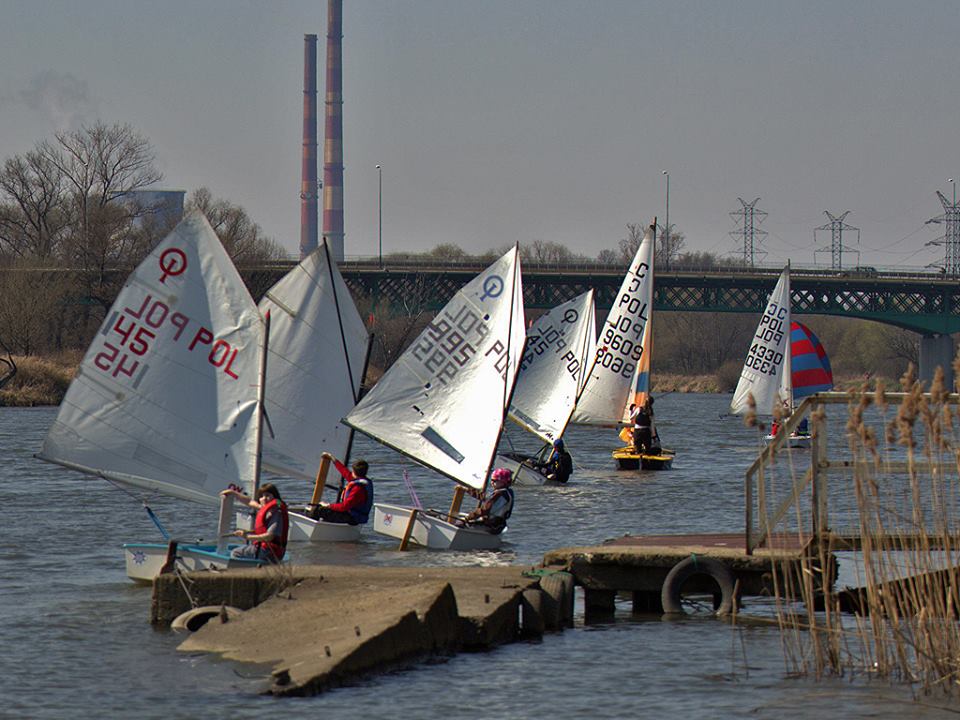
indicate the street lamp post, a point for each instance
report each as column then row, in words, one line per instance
column 666, row 226
column 954, row 183
column 380, row 211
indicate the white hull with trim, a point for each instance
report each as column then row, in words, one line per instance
column 145, row 560
column 794, row 441
column 431, row 531
column 523, row 472
column 306, row 529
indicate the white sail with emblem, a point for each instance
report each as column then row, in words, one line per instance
column 621, row 373
column 444, row 400
column 561, row 344
column 166, row 397
column 766, row 370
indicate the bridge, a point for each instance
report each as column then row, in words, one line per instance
column 924, row 302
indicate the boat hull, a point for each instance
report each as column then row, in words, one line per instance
column 430, row 531
column 524, row 472
column 145, row 560
column 794, row 441
column 306, row 529
column 628, row 459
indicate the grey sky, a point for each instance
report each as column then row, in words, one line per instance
column 505, row 120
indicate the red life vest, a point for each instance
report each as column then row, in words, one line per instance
column 278, row 546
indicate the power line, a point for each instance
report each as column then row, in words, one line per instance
column 747, row 219
column 836, row 226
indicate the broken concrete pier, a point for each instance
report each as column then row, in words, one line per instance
column 321, row 626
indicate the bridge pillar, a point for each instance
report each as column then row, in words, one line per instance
column 936, row 350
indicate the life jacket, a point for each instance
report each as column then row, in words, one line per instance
column 361, row 514
column 497, row 523
column 277, row 546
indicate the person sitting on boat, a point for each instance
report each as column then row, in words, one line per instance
column 559, row 466
column 804, row 427
column 643, row 427
column 268, row 539
column 355, row 499
column 492, row 512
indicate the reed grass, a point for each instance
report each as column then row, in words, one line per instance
column 899, row 496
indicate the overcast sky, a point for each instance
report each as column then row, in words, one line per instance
column 498, row 121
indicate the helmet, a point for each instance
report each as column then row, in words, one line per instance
column 558, row 443
column 501, row 477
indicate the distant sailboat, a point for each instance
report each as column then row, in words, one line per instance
column 318, row 353
column 784, row 364
column 168, row 398
column 621, row 373
column 444, row 401
column 561, row 344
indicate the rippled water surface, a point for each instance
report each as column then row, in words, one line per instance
column 76, row 641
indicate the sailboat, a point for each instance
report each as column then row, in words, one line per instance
column 785, row 362
column 560, row 346
column 168, row 398
column 319, row 347
column 621, row 373
column 444, row 401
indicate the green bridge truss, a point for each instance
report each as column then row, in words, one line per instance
column 926, row 304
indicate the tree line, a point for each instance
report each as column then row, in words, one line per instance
column 73, row 201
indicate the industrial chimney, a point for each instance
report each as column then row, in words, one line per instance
column 308, row 170
column 333, row 133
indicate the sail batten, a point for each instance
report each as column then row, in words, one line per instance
column 442, row 402
column 166, row 397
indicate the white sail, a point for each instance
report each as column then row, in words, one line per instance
column 560, row 346
column 766, row 370
column 443, row 401
column 318, row 346
column 622, row 366
column 166, row 396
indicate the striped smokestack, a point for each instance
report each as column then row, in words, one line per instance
column 308, row 170
column 333, row 133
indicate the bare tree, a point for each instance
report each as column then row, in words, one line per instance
column 629, row 244
column 668, row 247
column 243, row 239
column 545, row 252
column 32, row 217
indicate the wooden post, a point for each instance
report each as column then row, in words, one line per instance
column 409, row 531
column 223, row 522
column 457, row 502
column 321, row 479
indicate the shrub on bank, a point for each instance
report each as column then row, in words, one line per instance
column 40, row 380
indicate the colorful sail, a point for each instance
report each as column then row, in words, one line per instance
column 443, row 402
column 810, row 365
column 167, row 397
column 621, row 372
column 318, row 346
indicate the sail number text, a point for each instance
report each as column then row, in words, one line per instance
column 451, row 340
column 551, row 338
column 621, row 345
column 763, row 356
column 132, row 331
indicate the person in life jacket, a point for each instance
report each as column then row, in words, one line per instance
column 643, row 426
column 493, row 511
column 268, row 539
column 356, row 496
column 559, row 466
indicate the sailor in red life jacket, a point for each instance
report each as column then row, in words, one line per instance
column 355, row 500
column 268, row 539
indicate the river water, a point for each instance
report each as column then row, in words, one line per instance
column 76, row 639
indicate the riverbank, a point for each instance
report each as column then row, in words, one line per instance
column 43, row 380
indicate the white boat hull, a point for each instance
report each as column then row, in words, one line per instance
column 145, row 560
column 794, row 441
column 431, row 531
column 306, row 529
column 523, row 472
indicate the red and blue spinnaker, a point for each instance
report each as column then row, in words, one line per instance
column 809, row 364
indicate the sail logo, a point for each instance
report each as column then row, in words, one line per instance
column 173, row 262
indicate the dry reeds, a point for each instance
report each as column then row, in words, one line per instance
column 895, row 511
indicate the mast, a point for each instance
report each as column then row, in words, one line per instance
column 261, row 413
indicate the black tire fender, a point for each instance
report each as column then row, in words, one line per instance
column 690, row 567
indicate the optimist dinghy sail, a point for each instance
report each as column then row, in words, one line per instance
column 766, row 370
column 561, row 344
column 318, row 353
column 810, row 370
column 443, row 402
column 168, row 397
column 621, row 374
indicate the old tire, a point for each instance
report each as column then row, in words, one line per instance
column 671, row 593
column 193, row 620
